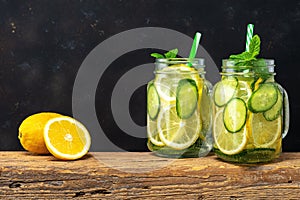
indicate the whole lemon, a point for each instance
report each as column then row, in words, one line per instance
column 31, row 132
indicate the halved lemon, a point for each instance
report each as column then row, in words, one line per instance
column 66, row 138
column 175, row 132
column 153, row 133
column 265, row 133
column 228, row 143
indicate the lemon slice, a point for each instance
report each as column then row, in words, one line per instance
column 152, row 132
column 175, row 132
column 228, row 143
column 224, row 91
column 167, row 80
column 66, row 138
column 265, row 133
column 243, row 90
column 166, row 88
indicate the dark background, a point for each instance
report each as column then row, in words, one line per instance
column 43, row 43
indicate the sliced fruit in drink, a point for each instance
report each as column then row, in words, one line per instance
column 186, row 98
column 167, row 82
column 66, row 138
column 228, row 143
column 153, row 102
column 275, row 111
column 235, row 115
column 165, row 88
column 265, row 133
column 243, row 90
column 224, row 91
column 175, row 132
column 256, row 83
column 263, row 98
column 153, row 133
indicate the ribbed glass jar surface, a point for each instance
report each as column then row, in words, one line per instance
column 250, row 112
column 179, row 109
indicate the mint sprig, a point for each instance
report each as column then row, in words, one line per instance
column 247, row 56
column 170, row 54
column 157, row 55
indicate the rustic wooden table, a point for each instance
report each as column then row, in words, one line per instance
column 144, row 176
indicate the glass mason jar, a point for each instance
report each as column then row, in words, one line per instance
column 251, row 112
column 179, row 109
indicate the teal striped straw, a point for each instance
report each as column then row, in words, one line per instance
column 249, row 35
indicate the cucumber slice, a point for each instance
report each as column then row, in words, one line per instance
column 224, row 90
column 186, row 98
column 275, row 111
column 263, row 98
column 235, row 114
column 153, row 102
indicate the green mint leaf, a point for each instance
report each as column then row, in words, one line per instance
column 243, row 63
column 260, row 62
column 254, row 47
column 172, row 53
column 246, row 59
column 260, row 67
column 242, row 56
column 157, row 55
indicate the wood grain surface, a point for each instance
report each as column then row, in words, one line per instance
column 111, row 175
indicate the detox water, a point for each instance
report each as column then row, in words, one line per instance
column 179, row 109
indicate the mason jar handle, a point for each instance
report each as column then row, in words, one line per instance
column 209, row 90
column 286, row 113
column 209, row 87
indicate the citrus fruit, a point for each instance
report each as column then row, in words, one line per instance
column 166, row 87
column 152, row 132
column 243, row 90
column 265, row 133
column 167, row 81
column 228, row 143
column 66, row 138
column 175, row 132
column 257, row 83
column 31, row 132
column 224, row 90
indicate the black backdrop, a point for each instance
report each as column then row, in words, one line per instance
column 43, row 43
